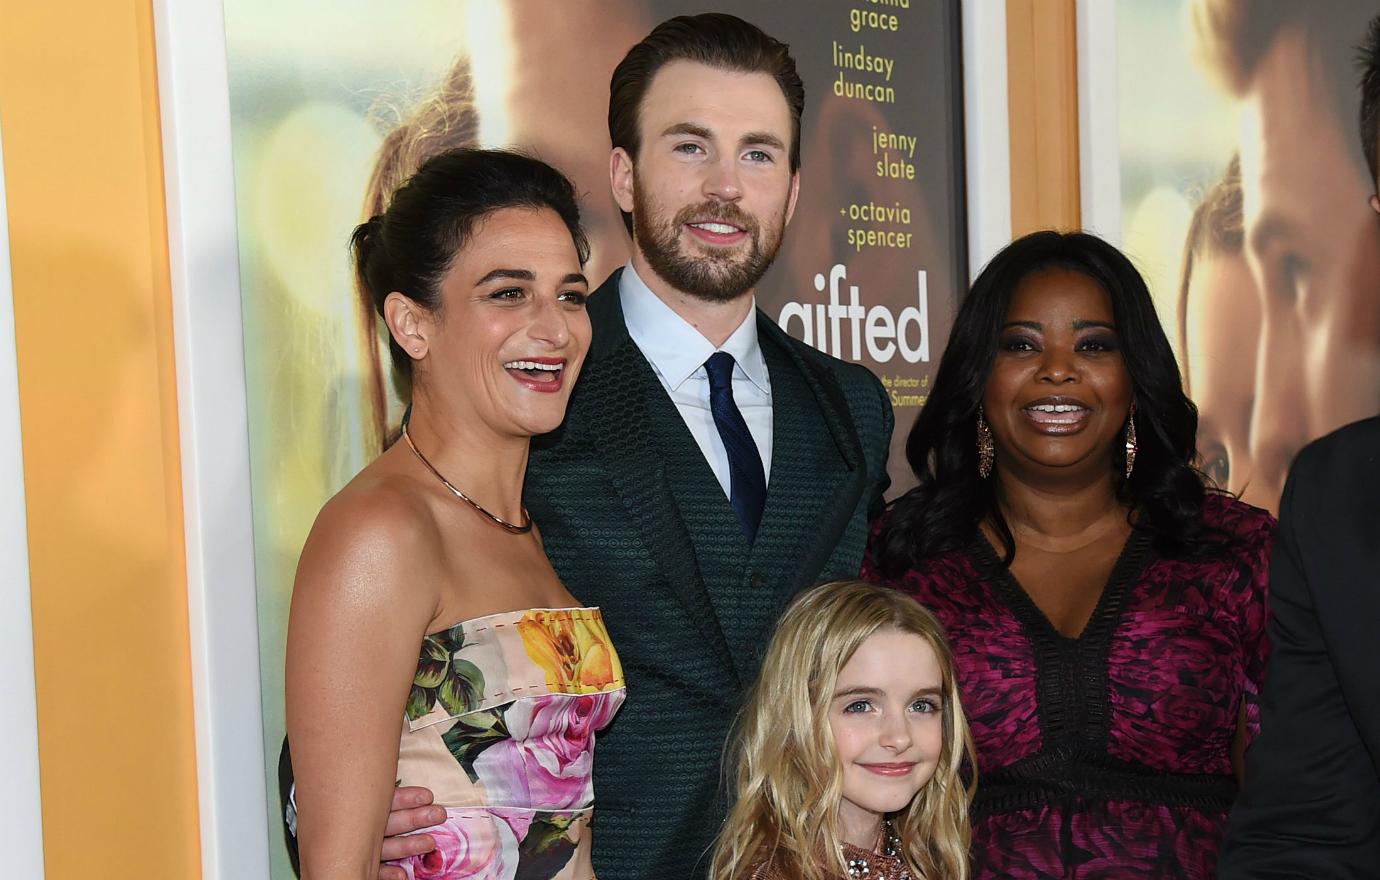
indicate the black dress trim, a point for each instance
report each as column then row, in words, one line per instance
column 1071, row 673
column 1057, row 776
column 1074, row 705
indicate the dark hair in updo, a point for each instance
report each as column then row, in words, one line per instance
column 411, row 245
column 1165, row 492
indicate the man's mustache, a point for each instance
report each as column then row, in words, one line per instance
column 717, row 212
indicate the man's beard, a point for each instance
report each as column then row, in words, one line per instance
column 713, row 275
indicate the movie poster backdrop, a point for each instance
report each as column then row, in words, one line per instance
column 333, row 105
column 1244, row 201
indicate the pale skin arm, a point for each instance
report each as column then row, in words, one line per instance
column 357, row 620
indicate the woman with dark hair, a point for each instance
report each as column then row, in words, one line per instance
column 1106, row 608
column 424, row 602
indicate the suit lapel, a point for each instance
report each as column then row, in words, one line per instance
column 825, row 388
column 828, row 479
column 614, row 395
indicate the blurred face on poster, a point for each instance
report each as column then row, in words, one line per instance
column 1221, row 309
column 575, row 43
column 710, row 188
column 1314, row 248
column 1218, row 308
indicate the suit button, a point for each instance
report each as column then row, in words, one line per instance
column 758, row 581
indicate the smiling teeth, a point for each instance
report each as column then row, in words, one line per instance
column 1056, row 408
column 531, row 365
column 721, row 228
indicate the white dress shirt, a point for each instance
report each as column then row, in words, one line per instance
column 677, row 352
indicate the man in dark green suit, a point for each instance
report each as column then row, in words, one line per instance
column 635, row 522
column 652, row 501
column 629, row 493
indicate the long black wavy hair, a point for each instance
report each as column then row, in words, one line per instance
column 1165, row 492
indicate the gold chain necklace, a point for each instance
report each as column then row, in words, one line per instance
column 512, row 527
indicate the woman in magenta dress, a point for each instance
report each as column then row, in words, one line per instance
column 1105, row 606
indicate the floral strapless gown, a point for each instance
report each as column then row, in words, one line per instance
column 500, row 726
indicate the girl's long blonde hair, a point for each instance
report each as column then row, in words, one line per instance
column 788, row 782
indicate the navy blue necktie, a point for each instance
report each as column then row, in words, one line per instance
column 747, row 482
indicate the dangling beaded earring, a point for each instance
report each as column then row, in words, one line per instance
column 1131, row 445
column 986, row 449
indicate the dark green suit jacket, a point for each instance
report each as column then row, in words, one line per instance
column 635, row 522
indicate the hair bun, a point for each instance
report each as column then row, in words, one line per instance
column 369, row 250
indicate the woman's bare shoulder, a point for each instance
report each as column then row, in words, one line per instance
column 377, row 535
column 379, row 504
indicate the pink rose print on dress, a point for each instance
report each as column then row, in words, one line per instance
column 553, row 736
column 469, row 847
column 548, row 761
column 518, row 820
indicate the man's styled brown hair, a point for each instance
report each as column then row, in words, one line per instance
column 715, row 39
column 1233, row 36
column 1369, row 61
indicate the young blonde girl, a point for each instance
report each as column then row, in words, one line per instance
column 799, row 774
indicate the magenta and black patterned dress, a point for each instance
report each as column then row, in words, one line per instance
column 1107, row 755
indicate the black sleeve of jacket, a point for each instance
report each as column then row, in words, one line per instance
column 1311, row 802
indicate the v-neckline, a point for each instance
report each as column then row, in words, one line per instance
column 1129, row 563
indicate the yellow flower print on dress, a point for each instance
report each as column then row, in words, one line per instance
column 572, row 649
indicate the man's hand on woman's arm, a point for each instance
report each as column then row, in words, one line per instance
column 410, row 811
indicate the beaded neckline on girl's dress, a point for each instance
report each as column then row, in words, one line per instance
column 886, row 865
